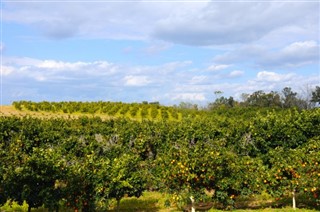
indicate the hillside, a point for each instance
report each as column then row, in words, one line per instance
column 104, row 110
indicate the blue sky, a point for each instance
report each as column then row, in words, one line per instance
column 166, row 51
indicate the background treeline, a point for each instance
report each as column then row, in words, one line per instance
column 153, row 110
column 287, row 98
column 217, row 157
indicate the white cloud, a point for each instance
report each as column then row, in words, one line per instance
column 96, row 68
column 293, row 55
column 21, row 61
column 156, row 48
column 189, row 97
column 268, row 35
column 235, row 73
column 243, row 53
column 191, row 23
column 115, row 74
column 2, row 47
column 169, row 82
column 298, row 46
column 235, row 22
column 52, row 70
column 218, row 67
column 116, row 20
column 170, row 67
column 59, row 65
column 6, row 70
column 40, row 78
column 273, row 81
column 136, row 80
column 274, row 77
column 198, row 79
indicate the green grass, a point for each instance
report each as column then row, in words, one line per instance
column 149, row 201
column 270, row 210
column 14, row 207
column 156, row 202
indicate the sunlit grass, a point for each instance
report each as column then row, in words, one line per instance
column 13, row 206
column 269, row 210
column 154, row 202
column 10, row 110
column 149, row 201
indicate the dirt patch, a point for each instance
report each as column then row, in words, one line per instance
column 8, row 110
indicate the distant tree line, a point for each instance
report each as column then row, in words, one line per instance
column 287, row 98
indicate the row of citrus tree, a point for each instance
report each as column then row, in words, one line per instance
column 151, row 111
column 83, row 163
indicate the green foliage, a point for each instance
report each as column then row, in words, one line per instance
column 220, row 155
column 316, row 95
column 126, row 177
column 114, row 109
column 295, row 170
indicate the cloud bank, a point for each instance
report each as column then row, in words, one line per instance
column 190, row 23
column 169, row 51
column 102, row 80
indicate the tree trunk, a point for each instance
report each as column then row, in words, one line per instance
column 118, row 204
column 192, row 204
column 29, row 208
column 294, row 199
column 85, row 208
column 54, row 208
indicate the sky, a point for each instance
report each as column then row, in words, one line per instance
column 166, row 51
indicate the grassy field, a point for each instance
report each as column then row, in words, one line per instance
column 156, row 202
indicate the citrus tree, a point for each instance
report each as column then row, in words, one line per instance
column 295, row 170
column 211, row 167
column 310, row 180
column 32, row 178
column 126, row 177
